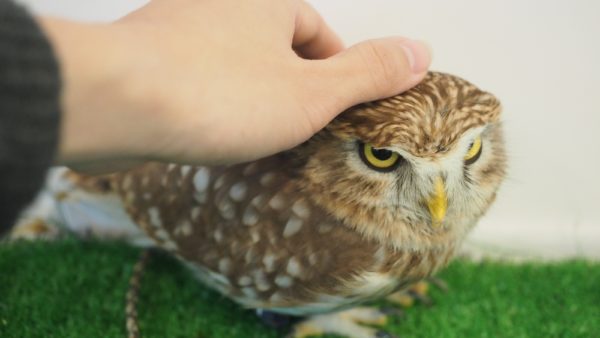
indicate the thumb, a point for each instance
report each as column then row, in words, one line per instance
column 374, row 69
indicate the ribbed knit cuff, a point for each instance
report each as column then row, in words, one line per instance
column 29, row 109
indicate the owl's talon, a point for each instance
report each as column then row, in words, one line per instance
column 401, row 298
column 417, row 292
column 422, row 298
column 439, row 283
column 345, row 323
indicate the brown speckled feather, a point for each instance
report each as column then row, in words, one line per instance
column 314, row 229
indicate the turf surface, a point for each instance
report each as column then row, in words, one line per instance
column 77, row 289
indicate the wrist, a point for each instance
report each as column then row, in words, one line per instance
column 101, row 95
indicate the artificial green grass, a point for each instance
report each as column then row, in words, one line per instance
column 77, row 289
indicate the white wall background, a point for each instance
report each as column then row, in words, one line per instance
column 542, row 59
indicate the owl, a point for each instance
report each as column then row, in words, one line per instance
column 380, row 198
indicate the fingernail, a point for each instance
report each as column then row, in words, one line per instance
column 418, row 54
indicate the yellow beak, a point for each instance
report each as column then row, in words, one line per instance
column 438, row 203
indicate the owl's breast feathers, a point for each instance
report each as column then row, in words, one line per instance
column 252, row 232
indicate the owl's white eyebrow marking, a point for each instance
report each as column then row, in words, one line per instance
column 277, row 202
column 300, row 208
column 469, row 136
column 293, row 267
column 293, row 225
column 201, row 179
column 237, row 192
column 284, row 281
column 154, row 214
column 185, row 169
column 250, row 216
column 267, row 179
column 225, row 265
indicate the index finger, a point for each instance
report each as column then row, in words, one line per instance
column 313, row 38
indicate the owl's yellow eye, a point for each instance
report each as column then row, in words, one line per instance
column 474, row 151
column 379, row 159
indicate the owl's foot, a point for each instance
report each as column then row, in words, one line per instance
column 417, row 292
column 345, row 323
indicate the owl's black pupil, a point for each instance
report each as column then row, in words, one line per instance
column 382, row 154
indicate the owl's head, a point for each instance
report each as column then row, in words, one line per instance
column 415, row 168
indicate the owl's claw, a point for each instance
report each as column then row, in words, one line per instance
column 439, row 283
column 417, row 291
column 346, row 323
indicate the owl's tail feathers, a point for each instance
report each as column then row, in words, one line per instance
column 40, row 220
column 67, row 205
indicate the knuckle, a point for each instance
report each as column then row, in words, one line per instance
column 382, row 64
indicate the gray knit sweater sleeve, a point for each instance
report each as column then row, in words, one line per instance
column 29, row 109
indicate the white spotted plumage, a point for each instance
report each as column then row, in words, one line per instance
column 316, row 228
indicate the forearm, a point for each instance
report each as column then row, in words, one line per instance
column 102, row 97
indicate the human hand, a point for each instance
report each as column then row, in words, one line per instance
column 214, row 81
